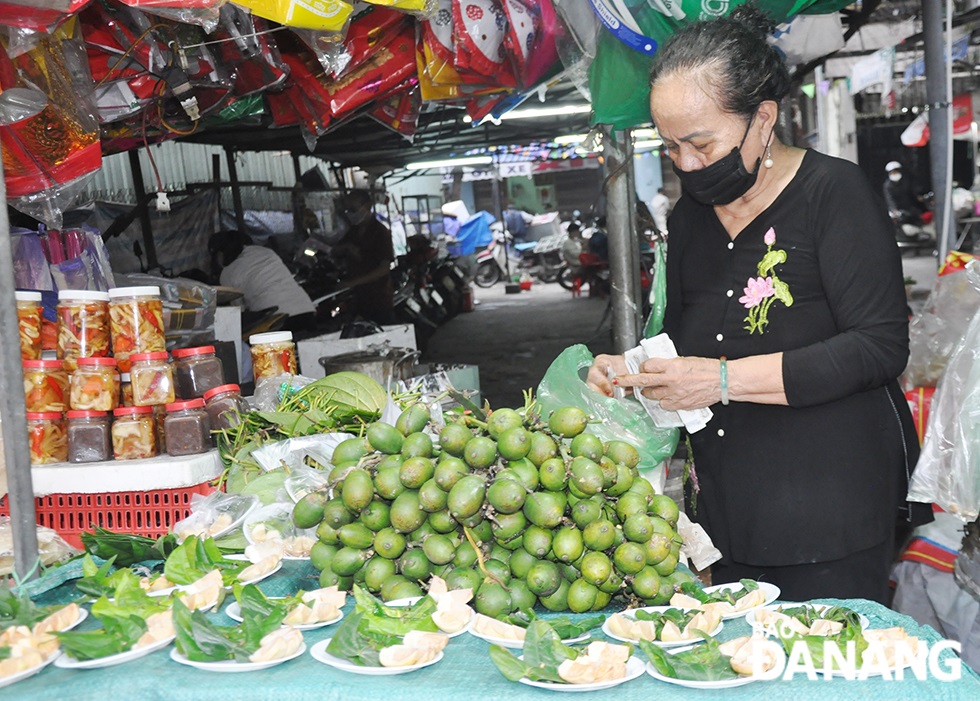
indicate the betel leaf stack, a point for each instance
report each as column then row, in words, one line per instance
column 523, row 509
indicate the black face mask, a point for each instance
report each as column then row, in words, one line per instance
column 723, row 181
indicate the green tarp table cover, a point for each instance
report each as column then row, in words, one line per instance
column 465, row 672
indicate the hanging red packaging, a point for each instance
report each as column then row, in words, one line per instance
column 370, row 29
column 530, row 39
column 39, row 15
column 246, row 44
column 48, row 130
column 480, row 27
column 400, row 112
column 390, row 66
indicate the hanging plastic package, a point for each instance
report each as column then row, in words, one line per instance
column 247, row 44
column 420, row 8
column 480, row 27
column 323, row 15
column 38, row 15
column 530, row 38
column 306, row 95
column 400, row 112
column 370, row 28
column 203, row 13
column 328, row 47
column 49, row 133
column 392, row 65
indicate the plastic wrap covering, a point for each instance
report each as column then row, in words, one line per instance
column 371, row 28
column 215, row 515
column 948, row 471
column 480, row 28
column 250, row 47
column 79, row 260
column 49, row 134
column 939, row 327
column 188, row 307
column 294, row 453
column 328, row 47
column 328, row 15
column 530, row 39
column 51, row 547
column 30, row 264
column 420, row 8
column 400, row 112
column 203, row 13
column 38, row 15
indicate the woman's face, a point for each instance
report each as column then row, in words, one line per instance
column 696, row 132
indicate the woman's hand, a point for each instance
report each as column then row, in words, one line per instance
column 598, row 378
column 677, row 383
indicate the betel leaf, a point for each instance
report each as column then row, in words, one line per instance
column 395, row 620
column 200, row 640
column 694, row 590
column 355, row 642
column 118, row 634
column 127, row 548
column 512, row 668
column 851, row 632
column 563, row 625
column 701, row 663
column 19, row 610
column 195, row 557
column 544, row 652
column 95, row 578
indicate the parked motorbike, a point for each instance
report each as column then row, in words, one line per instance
column 497, row 261
column 539, row 259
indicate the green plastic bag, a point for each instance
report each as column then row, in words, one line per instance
column 658, row 291
column 618, row 419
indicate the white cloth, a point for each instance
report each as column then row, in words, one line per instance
column 659, row 206
column 266, row 282
column 660, row 346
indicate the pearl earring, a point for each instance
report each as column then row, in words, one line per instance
column 768, row 162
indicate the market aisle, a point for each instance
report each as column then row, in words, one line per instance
column 514, row 338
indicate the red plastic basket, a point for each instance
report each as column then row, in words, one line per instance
column 150, row 513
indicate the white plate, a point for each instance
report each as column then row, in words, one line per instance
column 519, row 644
column 242, row 558
column 692, row 684
column 659, row 609
column 634, row 668
column 231, row 665
column 234, row 612
column 66, row 661
column 408, row 601
column 750, row 616
column 163, row 592
column 14, row 678
column 82, row 615
column 771, row 591
column 320, row 654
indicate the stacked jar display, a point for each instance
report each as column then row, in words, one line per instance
column 273, row 354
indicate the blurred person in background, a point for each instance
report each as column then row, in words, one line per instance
column 366, row 254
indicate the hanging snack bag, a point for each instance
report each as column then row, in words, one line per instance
column 480, row 27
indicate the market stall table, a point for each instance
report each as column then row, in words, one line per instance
column 466, row 672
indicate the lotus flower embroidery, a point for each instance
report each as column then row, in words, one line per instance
column 762, row 291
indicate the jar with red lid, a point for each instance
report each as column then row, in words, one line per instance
column 135, row 322
column 196, row 370
column 273, row 354
column 48, row 440
column 29, row 322
column 187, row 427
column 89, row 436
column 125, row 390
column 95, row 385
column 83, row 326
column 152, row 378
column 45, row 385
column 133, row 433
column 225, row 405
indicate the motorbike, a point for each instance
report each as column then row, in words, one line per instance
column 539, row 259
column 498, row 260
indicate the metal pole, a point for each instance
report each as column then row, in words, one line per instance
column 823, row 144
column 236, row 193
column 13, row 411
column 624, row 264
column 937, row 98
column 142, row 203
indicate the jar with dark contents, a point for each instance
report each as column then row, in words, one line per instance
column 225, row 405
column 133, row 433
column 187, row 428
column 196, row 370
column 89, row 436
column 48, row 440
column 159, row 417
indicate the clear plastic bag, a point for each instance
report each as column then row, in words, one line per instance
column 291, row 453
column 274, row 523
column 304, row 480
column 51, row 547
column 937, row 329
column 626, row 420
column 948, row 471
column 215, row 515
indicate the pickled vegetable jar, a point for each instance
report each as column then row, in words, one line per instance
column 135, row 322
column 95, row 385
column 29, row 321
column 45, row 385
column 152, row 379
column 125, row 390
column 196, row 370
column 187, row 427
column 89, row 436
column 159, row 418
column 272, row 354
column 225, row 405
column 83, row 326
column 49, row 442
column 133, row 433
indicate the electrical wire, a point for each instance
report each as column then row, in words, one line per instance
column 128, row 51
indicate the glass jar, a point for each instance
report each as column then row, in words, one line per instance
column 83, row 326
column 49, row 442
column 225, row 405
column 95, row 385
column 89, row 436
column 29, row 321
column 135, row 322
column 125, row 390
column 196, row 370
column 187, row 427
column 152, row 379
column 159, row 417
column 272, row 354
column 45, row 385
column 133, row 433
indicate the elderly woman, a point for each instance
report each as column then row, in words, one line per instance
column 786, row 305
